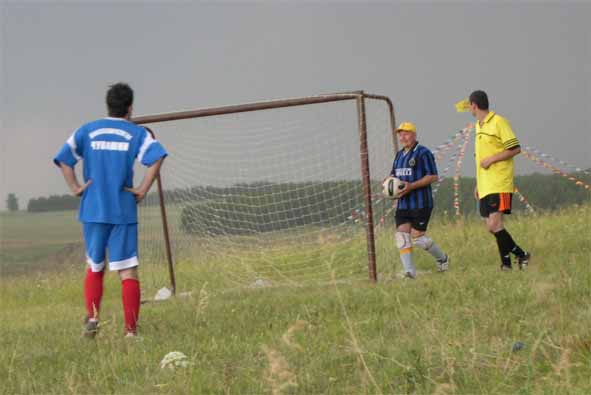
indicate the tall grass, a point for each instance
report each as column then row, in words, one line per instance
column 452, row 333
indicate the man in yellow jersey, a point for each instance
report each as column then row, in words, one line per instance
column 495, row 147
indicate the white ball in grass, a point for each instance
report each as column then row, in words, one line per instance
column 163, row 294
column 259, row 283
column 173, row 360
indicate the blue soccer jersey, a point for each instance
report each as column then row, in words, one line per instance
column 109, row 148
column 411, row 166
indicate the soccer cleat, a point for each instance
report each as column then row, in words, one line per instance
column 91, row 327
column 409, row 275
column 444, row 265
column 523, row 261
column 506, row 268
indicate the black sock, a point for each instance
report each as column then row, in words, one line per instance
column 513, row 247
column 505, row 244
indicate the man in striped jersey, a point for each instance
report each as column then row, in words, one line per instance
column 495, row 147
column 415, row 166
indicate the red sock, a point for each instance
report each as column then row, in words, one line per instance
column 93, row 292
column 130, row 292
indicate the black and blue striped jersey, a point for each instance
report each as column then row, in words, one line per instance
column 411, row 166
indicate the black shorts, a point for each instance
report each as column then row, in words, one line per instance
column 495, row 202
column 418, row 219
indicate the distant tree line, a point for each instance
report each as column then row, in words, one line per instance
column 254, row 206
column 250, row 208
column 53, row 203
column 265, row 207
column 12, row 202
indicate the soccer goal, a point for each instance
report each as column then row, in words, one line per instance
column 272, row 193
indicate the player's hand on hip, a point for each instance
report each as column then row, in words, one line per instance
column 476, row 193
column 79, row 189
column 137, row 192
column 486, row 163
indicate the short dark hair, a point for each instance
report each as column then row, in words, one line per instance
column 119, row 98
column 480, row 99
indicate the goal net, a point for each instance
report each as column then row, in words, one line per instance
column 269, row 197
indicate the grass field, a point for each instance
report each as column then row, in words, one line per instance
column 441, row 334
column 31, row 242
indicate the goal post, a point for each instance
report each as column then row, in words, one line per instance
column 255, row 207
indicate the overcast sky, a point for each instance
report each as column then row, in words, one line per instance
column 57, row 59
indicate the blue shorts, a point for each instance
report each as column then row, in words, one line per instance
column 120, row 240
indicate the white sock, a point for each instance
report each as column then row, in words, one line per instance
column 404, row 245
column 427, row 244
column 407, row 263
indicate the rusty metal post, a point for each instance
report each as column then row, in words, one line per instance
column 392, row 117
column 371, row 248
column 393, row 126
column 165, row 227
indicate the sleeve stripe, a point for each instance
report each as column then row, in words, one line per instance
column 148, row 141
column 511, row 145
column 72, row 143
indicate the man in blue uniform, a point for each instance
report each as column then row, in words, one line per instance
column 108, row 210
column 415, row 166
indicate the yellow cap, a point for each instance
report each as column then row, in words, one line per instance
column 407, row 127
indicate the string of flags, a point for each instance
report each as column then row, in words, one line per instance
column 523, row 200
column 541, row 154
column 448, row 144
column 537, row 160
column 448, row 166
column 456, row 185
column 537, row 156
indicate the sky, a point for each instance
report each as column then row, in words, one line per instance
column 58, row 58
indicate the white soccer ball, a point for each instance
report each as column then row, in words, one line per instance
column 391, row 186
column 174, row 359
column 163, row 294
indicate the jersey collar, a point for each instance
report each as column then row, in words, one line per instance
column 489, row 116
column 116, row 119
column 413, row 149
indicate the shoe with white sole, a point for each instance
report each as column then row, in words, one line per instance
column 523, row 261
column 443, row 266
